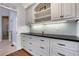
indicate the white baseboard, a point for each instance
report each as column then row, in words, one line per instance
column 18, row 48
column 14, row 44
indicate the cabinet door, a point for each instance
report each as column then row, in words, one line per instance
column 55, row 11
column 77, row 10
column 68, row 10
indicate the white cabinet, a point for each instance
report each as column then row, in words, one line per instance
column 63, row 48
column 42, row 12
column 23, row 41
column 55, row 11
column 36, row 45
column 77, row 6
column 68, row 10
column 57, row 51
column 41, row 46
column 62, row 11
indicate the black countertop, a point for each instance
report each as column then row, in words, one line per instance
column 56, row 36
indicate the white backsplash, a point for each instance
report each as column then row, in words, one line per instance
column 24, row 29
column 61, row 28
column 78, row 29
column 36, row 28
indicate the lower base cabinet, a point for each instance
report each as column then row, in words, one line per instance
column 62, row 52
column 63, row 48
column 41, row 46
column 37, row 46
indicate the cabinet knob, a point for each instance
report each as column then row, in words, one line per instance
column 30, row 38
column 23, row 40
column 41, row 40
column 30, row 43
column 42, row 47
column 60, row 54
column 61, row 16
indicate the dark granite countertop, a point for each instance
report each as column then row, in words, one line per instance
column 56, row 36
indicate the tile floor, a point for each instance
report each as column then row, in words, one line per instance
column 6, row 48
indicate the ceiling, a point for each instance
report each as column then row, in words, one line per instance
column 26, row 4
column 15, row 5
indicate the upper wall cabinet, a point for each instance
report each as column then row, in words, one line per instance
column 42, row 12
column 77, row 10
column 63, row 11
column 68, row 10
column 56, row 11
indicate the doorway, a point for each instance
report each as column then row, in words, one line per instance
column 5, row 27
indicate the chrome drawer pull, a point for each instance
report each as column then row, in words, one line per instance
column 61, row 44
column 23, row 36
column 42, row 40
column 23, row 40
column 30, row 43
column 42, row 47
column 30, row 38
column 61, row 54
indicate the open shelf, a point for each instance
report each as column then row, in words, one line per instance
column 44, row 19
column 44, row 14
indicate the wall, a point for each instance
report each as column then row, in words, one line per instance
column 0, row 26
column 29, row 15
column 63, row 29
column 20, row 25
column 20, row 16
column 12, row 23
column 12, row 26
column 78, row 18
column 3, row 12
column 60, row 28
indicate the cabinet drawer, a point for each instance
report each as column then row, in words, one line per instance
column 23, row 43
column 24, row 40
column 44, row 41
column 23, row 35
column 27, row 37
column 40, row 52
column 44, row 49
column 36, row 52
column 65, row 44
column 25, row 47
column 62, row 52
